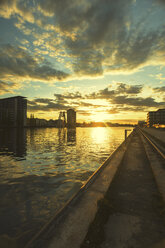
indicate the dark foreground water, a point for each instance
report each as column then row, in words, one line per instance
column 40, row 169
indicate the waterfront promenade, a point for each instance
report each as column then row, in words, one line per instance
column 121, row 206
column 132, row 212
column 157, row 133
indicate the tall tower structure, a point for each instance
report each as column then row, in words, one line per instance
column 61, row 120
column 71, row 118
column 13, row 111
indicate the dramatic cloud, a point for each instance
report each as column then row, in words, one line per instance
column 43, row 104
column 76, row 95
column 123, row 98
column 97, row 36
column 7, row 87
column 87, row 104
column 160, row 89
column 84, row 113
column 123, row 95
column 61, row 102
column 103, row 37
column 62, row 40
column 48, row 105
column 18, row 62
column 6, row 7
column 21, row 8
column 121, row 88
column 120, row 109
column 102, row 94
column 136, row 101
column 128, row 89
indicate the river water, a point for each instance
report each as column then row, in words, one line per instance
column 40, row 169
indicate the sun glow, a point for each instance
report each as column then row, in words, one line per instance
column 99, row 134
column 100, row 117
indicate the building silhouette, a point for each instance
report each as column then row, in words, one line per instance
column 71, row 118
column 156, row 118
column 13, row 111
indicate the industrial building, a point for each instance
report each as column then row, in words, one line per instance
column 13, row 111
column 156, row 118
column 71, row 118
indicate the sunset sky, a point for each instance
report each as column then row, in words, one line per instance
column 104, row 58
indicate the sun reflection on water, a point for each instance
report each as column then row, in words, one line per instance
column 99, row 134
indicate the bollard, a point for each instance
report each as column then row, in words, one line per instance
column 126, row 132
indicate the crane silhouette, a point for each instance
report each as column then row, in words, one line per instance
column 62, row 119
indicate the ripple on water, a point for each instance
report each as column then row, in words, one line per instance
column 40, row 169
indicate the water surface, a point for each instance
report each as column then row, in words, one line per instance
column 40, row 169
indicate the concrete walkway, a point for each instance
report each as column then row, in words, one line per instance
column 132, row 213
column 158, row 133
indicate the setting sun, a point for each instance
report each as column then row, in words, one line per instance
column 100, row 117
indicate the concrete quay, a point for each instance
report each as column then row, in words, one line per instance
column 158, row 133
column 132, row 213
column 121, row 205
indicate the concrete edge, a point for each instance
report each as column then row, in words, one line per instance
column 70, row 225
column 161, row 142
column 156, row 167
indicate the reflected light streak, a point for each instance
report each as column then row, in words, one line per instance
column 99, row 134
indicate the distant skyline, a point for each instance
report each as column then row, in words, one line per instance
column 103, row 58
